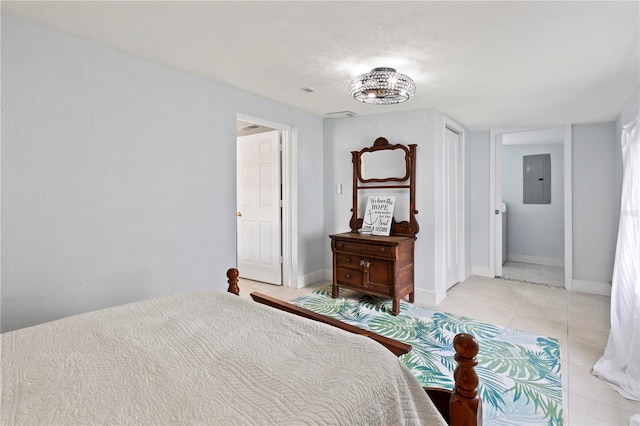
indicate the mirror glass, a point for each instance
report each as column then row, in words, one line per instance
column 383, row 164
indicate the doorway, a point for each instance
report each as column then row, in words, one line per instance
column 263, row 199
column 531, row 239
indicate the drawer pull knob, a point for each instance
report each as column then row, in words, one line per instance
column 348, row 260
column 340, row 245
column 382, row 249
column 348, row 275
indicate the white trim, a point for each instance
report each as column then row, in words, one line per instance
column 536, row 260
column 314, row 277
column 448, row 123
column 483, row 271
column 468, row 271
column 492, row 198
column 439, row 289
column 289, row 199
column 290, row 196
column 495, row 201
column 549, row 142
column 603, row 289
column 568, row 207
column 427, row 297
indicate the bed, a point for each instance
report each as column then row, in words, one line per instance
column 209, row 358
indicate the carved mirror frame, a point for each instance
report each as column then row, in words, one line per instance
column 405, row 228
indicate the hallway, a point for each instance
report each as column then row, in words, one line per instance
column 532, row 273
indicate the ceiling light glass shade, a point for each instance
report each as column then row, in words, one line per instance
column 382, row 86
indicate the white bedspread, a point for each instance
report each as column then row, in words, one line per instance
column 203, row 358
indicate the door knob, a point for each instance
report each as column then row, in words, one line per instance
column 497, row 211
column 239, row 214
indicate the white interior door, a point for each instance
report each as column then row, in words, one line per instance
column 452, row 200
column 259, row 207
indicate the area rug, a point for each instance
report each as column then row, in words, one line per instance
column 520, row 380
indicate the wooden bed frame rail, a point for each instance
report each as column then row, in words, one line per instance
column 398, row 348
column 460, row 407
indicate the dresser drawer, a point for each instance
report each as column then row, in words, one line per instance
column 362, row 249
column 345, row 260
column 349, row 277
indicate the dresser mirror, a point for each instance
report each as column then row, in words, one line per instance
column 385, row 167
column 384, row 164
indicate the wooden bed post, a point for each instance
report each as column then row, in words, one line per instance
column 232, row 275
column 465, row 406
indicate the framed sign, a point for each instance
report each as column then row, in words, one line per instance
column 378, row 215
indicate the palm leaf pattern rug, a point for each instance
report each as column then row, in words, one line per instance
column 520, row 380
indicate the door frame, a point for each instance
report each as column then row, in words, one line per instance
column 460, row 217
column 495, row 196
column 440, row 244
column 288, row 180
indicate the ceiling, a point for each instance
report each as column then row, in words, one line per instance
column 245, row 128
column 487, row 65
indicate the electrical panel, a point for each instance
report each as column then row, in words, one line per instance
column 536, row 179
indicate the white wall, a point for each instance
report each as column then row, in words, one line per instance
column 594, row 202
column 535, row 232
column 599, row 187
column 118, row 177
column 477, row 195
column 341, row 136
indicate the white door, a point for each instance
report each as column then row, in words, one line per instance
column 452, row 200
column 259, row 207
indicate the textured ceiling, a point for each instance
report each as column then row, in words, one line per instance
column 485, row 64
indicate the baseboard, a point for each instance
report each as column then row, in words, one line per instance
column 483, row 271
column 593, row 287
column 426, row 297
column 312, row 278
column 467, row 273
column 537, row 260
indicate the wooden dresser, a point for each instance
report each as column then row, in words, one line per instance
column 380, row 265
column 376, row 265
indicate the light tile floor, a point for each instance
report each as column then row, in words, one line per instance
column 533, row 273
column 579, row 320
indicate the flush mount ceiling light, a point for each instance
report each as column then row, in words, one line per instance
column 382, row 86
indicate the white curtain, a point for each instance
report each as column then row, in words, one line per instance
column 620, row 364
